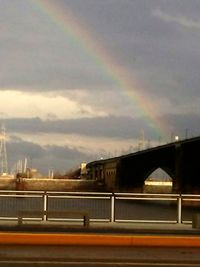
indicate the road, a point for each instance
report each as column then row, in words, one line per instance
column 52, row 256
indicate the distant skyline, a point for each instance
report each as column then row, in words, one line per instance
column 80, row 80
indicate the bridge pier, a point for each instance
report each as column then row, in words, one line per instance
column 178, row 181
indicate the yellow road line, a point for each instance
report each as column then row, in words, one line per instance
column 98, row 239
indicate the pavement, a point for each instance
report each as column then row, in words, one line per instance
column 98, row 234
column 100, row 227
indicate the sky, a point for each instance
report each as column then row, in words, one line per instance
column 82, row 80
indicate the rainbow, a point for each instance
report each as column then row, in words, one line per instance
column 75, row 30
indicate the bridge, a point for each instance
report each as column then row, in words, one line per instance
column 180, row 160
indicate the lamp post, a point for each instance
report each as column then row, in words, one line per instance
column 176, row 137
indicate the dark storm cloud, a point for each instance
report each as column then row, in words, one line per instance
column 43, row 158
column 118, row 127
column 185, row 125
column 112, row 127
column 162, row 55
column 37, row 55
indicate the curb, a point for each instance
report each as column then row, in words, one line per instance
column 98, row 240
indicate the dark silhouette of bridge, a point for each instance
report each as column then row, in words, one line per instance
column 180, row 160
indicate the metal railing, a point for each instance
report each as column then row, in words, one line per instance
column 103, row 207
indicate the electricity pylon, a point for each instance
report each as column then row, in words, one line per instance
column 141, row 141
column 3, row 152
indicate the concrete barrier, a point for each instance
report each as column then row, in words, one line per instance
column 98, row 240
column 7, row 183
column 47, row 184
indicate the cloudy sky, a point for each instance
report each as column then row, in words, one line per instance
column 85, row 79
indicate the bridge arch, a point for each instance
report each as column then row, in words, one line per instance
column 158, row 181
column 163, row 170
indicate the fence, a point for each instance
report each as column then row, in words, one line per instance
column 103, row 207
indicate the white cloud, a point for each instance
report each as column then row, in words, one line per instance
column 89, row 145
column 16, row 104
column 113, row 102
column 181, row 20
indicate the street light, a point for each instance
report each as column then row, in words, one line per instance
column 176, row 137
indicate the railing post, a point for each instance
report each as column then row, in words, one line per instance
column 45, row 205
column 112, row 219
column 179, row 209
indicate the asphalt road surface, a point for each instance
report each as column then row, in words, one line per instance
column 52, row 256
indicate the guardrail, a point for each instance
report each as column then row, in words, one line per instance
column 102, row 207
